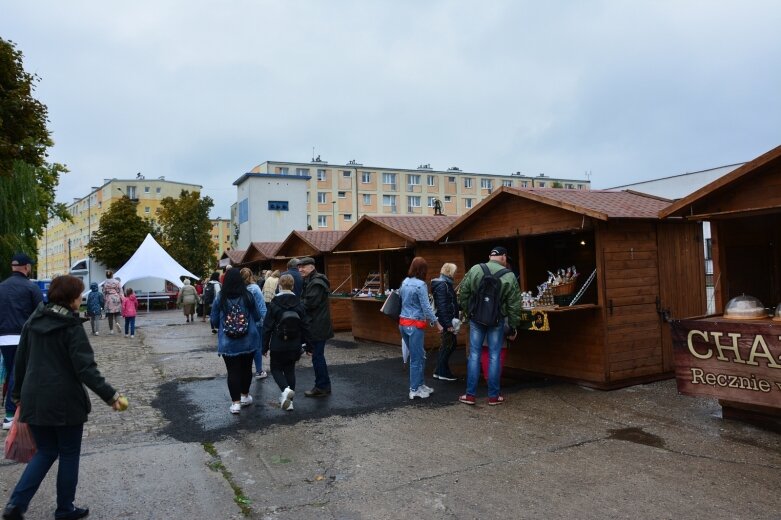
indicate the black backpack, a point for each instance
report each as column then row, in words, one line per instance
column 484, row 304
column 208, row 293
column 289, row 326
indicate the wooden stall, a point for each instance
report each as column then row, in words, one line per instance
column 615, row 335
column 259, row 256
column 737, row 361
column 231, row 257
column 318, row 245
column 379, row 250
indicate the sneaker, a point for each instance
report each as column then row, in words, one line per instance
column 8, row 422
column 97, row 333
column 111, row 332
column 420, row 392
column 493, row 401
column 467, row 399
column 127, row 335
column 317, row 392
column 12, row 513
column 261, row 375
column 445, row 378
column 427, row 389
column 286, row 399
column 246, row 400
column 235, row 408
column 132, row 335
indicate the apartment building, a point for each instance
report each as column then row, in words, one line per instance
column 337, row 195
column 63, row 244
column 221, row 234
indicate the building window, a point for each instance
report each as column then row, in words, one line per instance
column 321, row 197
column 243, row 211
column 157, row 190
column 541, row 184
column 278, row 205
column 147, row 189
column 431, row 202
column 307, row 197
column 342, row 194
column 524, row 184
column 321, row 175
column 367, row 199
column 413, row 180
column 413, row 201
column 580, row 186
column 467, row 182
column 348, row 216
column 130, row 191
column 448, row 198
column 309, row 221
column 431, row 180
column 347, row 173
column 451, row 180
column 283, row 170
column 508, row 184
column 366, row 177
column 302, row 172
column 389, row 200
column 147, row 209
column 468, row 203
column 322, row 221
column 389, row 178
column 487, row 184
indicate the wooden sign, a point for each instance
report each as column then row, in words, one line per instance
column 729, row 359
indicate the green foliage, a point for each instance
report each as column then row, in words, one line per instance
column 27, row 180
column 557, row 184
column 187, row 231
column 119, row 234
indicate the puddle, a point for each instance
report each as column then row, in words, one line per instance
column 637, row 436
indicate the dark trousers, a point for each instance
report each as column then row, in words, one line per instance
column 9, row 352
column 52, row 442
column 322, row 381
column 239, row 374
column 283, row 368
column 446, row 347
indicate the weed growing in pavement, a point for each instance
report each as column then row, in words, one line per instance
column 239, row 497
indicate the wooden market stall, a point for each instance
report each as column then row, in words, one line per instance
column 615, row 335
column 259, row 256
column 319, row 245
column 379, row 250
column 738, row 361
column 231, row 257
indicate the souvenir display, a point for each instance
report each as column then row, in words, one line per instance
column 745, row 307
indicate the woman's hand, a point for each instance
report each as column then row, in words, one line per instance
column 439, row 327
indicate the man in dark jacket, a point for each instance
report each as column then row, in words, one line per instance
column 18, row 299
column 447, row 311
column 315, row 298
column 285, row 328
column 298, row 280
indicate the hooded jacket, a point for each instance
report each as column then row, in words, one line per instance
column 18, row 299
column 282, row 302
column 54, row 363
column 95, row 300
column 445, row 300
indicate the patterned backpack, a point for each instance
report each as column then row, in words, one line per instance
column 236, row 322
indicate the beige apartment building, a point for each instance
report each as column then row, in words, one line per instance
column 63, row 244
column 339, row 194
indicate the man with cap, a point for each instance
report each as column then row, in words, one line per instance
column 509, row 311
column 315, row 300
column 18, row 299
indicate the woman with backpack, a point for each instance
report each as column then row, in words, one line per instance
column 285, row 328
column 236, row 318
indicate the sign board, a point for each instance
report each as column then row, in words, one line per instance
column 729, row 359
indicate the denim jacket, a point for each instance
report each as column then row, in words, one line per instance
column 414, row 300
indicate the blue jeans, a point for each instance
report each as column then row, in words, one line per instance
column 413, row 336
column 53, row 442
column 259, row 354
column 9, row 352
column 322, row 381
column 477, row 335
column 130, row 323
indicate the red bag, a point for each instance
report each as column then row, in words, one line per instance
column 19, row 445
column 484, row 361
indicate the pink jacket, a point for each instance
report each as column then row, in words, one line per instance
column 129, row 306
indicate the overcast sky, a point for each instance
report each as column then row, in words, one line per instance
column 202, row 91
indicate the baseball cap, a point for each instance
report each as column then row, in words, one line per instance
column 21, row 259
column 499, row 251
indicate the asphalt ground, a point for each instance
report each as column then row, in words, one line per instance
column 554, row 450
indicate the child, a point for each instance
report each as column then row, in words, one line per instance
column 95, row 304
column 285, row 328
column 129, row 308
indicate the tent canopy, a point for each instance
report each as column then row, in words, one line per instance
column 151, row 261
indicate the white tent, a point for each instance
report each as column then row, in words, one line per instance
column 151, row 261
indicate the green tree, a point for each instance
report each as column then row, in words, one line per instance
column 27, row 180
column 119, row 234
column 187, row 231
column 556, row 184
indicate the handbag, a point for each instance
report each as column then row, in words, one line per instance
column 392, row 306
column 20, row 445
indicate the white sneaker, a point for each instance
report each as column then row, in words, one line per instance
column 420, row 392
column 111, row 332
column 246, row 400
column 427, row 389
column 97, row 333
column 261, row 375
column 235, row 408
column 8, row 422
column 126, row 335
column 132, row 335
column 286, row 399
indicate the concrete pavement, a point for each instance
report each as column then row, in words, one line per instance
column 553, row 451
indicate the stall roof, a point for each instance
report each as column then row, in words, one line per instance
column 760, row 190
column 598, row 204
column 412, row 228
column 232, row 257
column 260, row 251
column 319, row 241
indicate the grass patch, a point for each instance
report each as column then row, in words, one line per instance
column 244, row 503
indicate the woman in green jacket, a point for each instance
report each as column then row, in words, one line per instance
column 54, row 362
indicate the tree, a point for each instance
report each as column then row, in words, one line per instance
column 187, row 231
column 119, row 234
column 27, row 180
column 556, row 184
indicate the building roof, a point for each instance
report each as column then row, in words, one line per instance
column 418, row 228
column 323, row 241
column 677, row 186
column 267, row 249
column 234, row 255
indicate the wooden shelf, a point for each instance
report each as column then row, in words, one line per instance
column 583, row 307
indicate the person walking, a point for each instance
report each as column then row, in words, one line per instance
column 129, row 312
column 95, row 304
column 112, row 293
column 285, row 328
column 416, row 313
column 270, row 286
column 18, row 299
column 54, row 348
column 210, row 292
column 298, row 280
column 187, row 298
column 235, row 316
column 199, row 306
column 315, row 299
column 447, row 315
column 489, row 294
column 257, row 296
